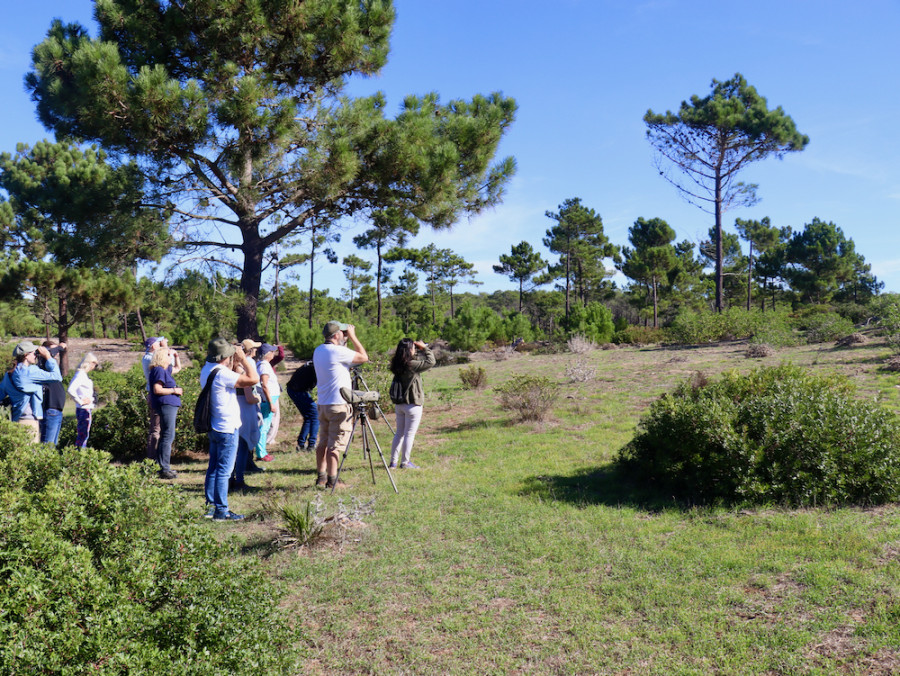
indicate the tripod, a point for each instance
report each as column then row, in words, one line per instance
column 360, row 399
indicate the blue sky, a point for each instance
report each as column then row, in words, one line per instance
column 585, row 72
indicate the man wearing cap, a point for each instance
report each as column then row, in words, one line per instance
column 26, row 385
column 226, row 420
column 151, row 345
column 332, row 361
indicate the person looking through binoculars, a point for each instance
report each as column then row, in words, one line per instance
column 410, row 359
column 332, row 361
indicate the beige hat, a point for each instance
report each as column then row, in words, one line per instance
column 248, row 344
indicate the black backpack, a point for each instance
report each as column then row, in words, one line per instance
column 304, row 378
column 203, row 409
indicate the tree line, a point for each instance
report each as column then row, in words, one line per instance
column 222, row 137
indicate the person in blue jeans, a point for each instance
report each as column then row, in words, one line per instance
column 299, row 389
column 54, row 397
column 165, row 399
column 226, row 420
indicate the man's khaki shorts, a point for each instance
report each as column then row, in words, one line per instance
column 335, row 424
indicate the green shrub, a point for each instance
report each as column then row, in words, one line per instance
column 639, row 335
column 826, row 327
column 105, row 570
column 471, row 327
column 777, row 434
column 735, row 323
column 593, row 321
column 890, row 324
column 473, row 378
column 529, row 397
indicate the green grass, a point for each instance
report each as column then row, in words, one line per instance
column 517, row 550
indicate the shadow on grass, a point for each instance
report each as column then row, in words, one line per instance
column 606, row 485
column 471, row 425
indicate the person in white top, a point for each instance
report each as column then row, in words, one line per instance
column 332, row 361
column 81, row 389
column 271, row 391
column 226, row 420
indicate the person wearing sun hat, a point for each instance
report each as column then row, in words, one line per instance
column 332, row 361
column 26, row 384
column 226, row 420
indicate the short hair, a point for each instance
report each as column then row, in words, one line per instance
column 160, row 358
column 88, row 358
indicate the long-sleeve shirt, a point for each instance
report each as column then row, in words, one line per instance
column 27, row 388
column 82, row 388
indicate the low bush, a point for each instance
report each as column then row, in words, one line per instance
column 825, row 327
column 759, row 350
column 105, row 570
column 529, row 397
column 774, row 435
column 639, row 335
column 473, row 378
column 580, row 372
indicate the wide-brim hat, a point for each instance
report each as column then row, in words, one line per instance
column 23, row 348
column 218, row 349
column 333, row 327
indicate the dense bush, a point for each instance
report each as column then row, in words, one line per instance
column 529, row 397
column 777, row 434
column 104, row 570
column 594, row 322
column 691, row 327
column 639, row 335
column 825, row 327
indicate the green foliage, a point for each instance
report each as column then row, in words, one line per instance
column 473, row 378
column 823, row 327
column 528, row 397
column 639, row 335
column 17, row 319
column 776, row 434
column 471, row 328
column 691, row 327
column 301, row 524
column 593, row 321
column 104, row 570
column 890, row 323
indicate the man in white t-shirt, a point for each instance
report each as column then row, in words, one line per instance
column 332, row 361
column 226, row 421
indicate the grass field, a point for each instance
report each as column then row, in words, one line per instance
column 515, row 549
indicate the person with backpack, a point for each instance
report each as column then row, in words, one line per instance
column 410, row 359
column 54, row 397
column 299, row 389
column 225, row 420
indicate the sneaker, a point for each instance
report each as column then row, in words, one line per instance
column 312, row 447
column 393, row 465
column 210, row 512
column 266, row 458
column 235, row 485
column 300, row 448
column 409, row 465
column 168, row 474
column 228, row 516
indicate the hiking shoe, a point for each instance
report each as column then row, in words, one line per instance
column 228, row 516
column 168, row 474
column 210, row 512
column 254, row 469
column 321, row 480
column 266, row 458
column 235, row 485
column 409, row 465
column 336, row 485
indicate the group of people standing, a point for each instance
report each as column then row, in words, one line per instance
column 33, row 386
column 244, row 398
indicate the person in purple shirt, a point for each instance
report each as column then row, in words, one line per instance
column 165, row 399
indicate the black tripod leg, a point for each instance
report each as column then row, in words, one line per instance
column 343, row 457
column 365, row 436
column 381, row 455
